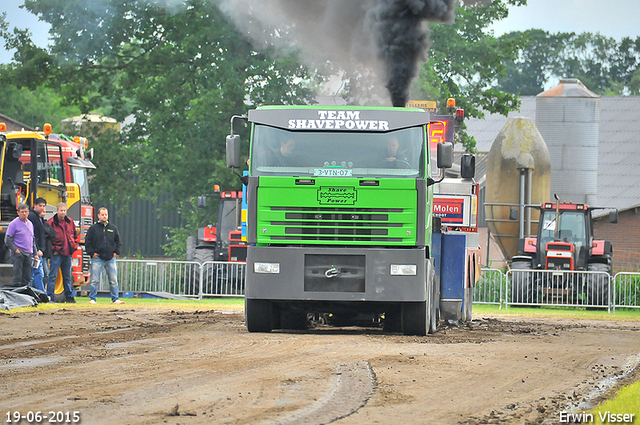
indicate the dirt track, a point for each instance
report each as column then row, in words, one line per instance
column 144, row 366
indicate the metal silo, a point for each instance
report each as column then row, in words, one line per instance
column 568, row 118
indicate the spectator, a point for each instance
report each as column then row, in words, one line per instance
column 49, row 235
column 35, row 218
column 102, row 243
column 63, row 245
column 19, row 238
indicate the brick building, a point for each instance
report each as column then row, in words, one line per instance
column 625, row 237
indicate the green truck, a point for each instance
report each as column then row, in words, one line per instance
column 339, row 219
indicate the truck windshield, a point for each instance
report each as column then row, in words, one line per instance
column 79, row 176
column 281, row 152
column 229, row 219
column 572, row 227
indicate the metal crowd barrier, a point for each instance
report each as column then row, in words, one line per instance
column 489, row 289
column 516, row 287
column 626, row 290
column 559, row 288
column 188, row 278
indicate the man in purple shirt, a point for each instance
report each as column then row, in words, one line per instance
column 20, row 240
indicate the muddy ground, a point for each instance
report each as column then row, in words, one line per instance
column 120, row 365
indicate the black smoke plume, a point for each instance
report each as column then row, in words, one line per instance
column 402, row 40
column 385, row 37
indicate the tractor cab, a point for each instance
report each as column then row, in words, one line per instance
column 565, row 236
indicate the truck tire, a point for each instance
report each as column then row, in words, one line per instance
column 522, row 287
column 597, row 290
column 417, row 316
column 191, row 248
column 467, row 309
column 435, row 313
column 258, row 315
column 415, row 319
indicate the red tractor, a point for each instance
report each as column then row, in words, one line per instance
column 565, row 242
column 220, row 243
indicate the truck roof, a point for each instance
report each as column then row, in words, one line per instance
column 339, row 118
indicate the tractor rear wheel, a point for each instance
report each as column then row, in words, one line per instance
column 191, row 247
column 522, row 288
column 598, row 285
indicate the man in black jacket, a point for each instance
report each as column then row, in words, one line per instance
column 102, row 243
column 37, row 273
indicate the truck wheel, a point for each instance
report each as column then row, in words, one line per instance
column 415, row 320
column 434, row 311
column 433, row 322
column 521, row 283
column 417, row 316
column 258, row 315
column 467, row 310
column 597, row 285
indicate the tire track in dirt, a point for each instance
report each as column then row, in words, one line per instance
column 350, row 388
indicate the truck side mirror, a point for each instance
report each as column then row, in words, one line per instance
column 613, row 217
column 15, row 150
column 468, row 166
column 234, row 157
column 513, row 213
column 445, row 155
column 202, row 202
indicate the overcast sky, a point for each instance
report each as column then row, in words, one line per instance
column 612, row 18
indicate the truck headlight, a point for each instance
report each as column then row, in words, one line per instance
column 75, row 262
column 266, row 268
column 403, row 270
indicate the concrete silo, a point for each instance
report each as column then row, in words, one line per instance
column 568, row 118
column 518, row 173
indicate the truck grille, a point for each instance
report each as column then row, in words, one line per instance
column 559, row 247
column 337, row 224
column 85, row 223
column 86, row 261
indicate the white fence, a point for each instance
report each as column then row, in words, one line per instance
column 558, row 288
column 516, row 287
column 490, row 287
column 189, row 278
column 626, row 290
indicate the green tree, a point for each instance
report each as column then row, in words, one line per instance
column 460, row 67
column 536, row 61
column 177, row 75
column 601, row 63
column 604, row 65
column 35, row 107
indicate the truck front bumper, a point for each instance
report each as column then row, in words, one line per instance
column 336, row 274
